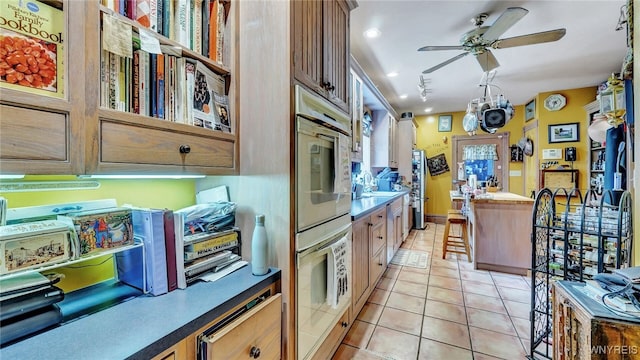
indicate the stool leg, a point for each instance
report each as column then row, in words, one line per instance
column 465, row 238
column 445, row 240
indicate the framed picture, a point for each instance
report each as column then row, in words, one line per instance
column 444, row 123
column 530, row 110
column 437, row 165
column 564, row 132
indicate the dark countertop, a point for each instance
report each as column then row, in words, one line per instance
column 144, row 326
column 366, row 205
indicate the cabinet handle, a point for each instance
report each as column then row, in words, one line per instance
column 327, row 86
column 254, row 352
column 185, row 149
column 380, row 237
column 345, row 324
column 380, row 216
column 370, row 224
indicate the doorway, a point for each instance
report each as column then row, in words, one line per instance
column 484, row 165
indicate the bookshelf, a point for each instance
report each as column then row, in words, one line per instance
column 81, row 134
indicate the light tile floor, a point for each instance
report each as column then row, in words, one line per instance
column 447, row 311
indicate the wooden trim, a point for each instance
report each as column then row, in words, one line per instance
column 503, row 153
column 369, row 85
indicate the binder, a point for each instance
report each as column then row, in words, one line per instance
column 170, row 247
column 148, row 224
column 179, row 238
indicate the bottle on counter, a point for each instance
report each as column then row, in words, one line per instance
column 259, row 248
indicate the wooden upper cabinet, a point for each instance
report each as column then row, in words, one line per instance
column 42, row 134
column 81, row 133
column 321, row 48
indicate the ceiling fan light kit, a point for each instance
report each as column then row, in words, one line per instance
column 480, row 40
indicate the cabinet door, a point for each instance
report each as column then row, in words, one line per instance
column 360, row 263
column 356, row 118
column 42, row 131
column 307, row 44
column 336, row 52
column 254, row 334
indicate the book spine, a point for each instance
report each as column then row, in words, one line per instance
column 104, row 79
column 144, row 83
column 160, row 19
column 213, row 29
column 190, row 86
column 220, row 35
column 153, row 14
column 135, row 86
column 153, row 64
column 170, row 246
column 205, row 27
column 131, row 9
column 143, row 12
column 196, row 26
column 160, row 86
column 113, row 80
column 122, row 84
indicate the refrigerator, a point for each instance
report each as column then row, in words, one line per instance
column 418, row 188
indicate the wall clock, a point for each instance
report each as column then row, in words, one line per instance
column 555, row 102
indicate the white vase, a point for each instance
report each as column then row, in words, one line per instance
column 461, row 173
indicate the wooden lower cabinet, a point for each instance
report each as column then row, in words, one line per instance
column 360, row 263
column 580, row 332
column 254, row 334
column 368, row 256
column 333, row 340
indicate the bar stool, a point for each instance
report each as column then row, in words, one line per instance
column 456, row 217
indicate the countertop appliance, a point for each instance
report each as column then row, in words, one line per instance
column 418, row 188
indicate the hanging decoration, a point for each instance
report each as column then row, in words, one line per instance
column 487, row 112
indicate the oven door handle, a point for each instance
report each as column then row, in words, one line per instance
column 334, row 234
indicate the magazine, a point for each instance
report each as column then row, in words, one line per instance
column 223, row 117
column 206, row 84
column 39, row 28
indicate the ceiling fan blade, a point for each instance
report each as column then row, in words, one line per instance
column 430, row 70
column 487, row 61
column 537, row 38
column 508, row 18
column 432, row 48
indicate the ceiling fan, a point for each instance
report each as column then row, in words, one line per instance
column 480, row 40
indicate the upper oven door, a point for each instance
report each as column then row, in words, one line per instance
column 323, row 173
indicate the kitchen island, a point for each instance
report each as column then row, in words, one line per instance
column 499, row 226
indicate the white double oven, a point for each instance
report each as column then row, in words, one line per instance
column 323, row 220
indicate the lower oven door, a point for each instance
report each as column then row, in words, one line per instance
column 317, row 311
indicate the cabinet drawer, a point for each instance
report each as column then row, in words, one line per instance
column 29, row 134
column 128, row 143
column 331, row 343
column 378, row 216
column 377, row 266
column 257, row 332
column 377, row 238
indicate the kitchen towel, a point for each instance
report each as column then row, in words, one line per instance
column 338, row 272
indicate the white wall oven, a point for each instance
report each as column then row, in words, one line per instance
column 323, row 220
column 323, row 282
column 323, row 164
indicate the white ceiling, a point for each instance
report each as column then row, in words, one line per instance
column 589, row 52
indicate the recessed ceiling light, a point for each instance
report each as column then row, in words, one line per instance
column 403, row 96
column 372, row 33
column 428, row 110
column 392, row 74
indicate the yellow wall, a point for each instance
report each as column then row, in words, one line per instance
column 430, row 140
column 171, row 194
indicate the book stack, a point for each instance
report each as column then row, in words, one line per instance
column 166, row 86
column 28, row 305
column 198, row 25
column 175, row 257
column 210, row 252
